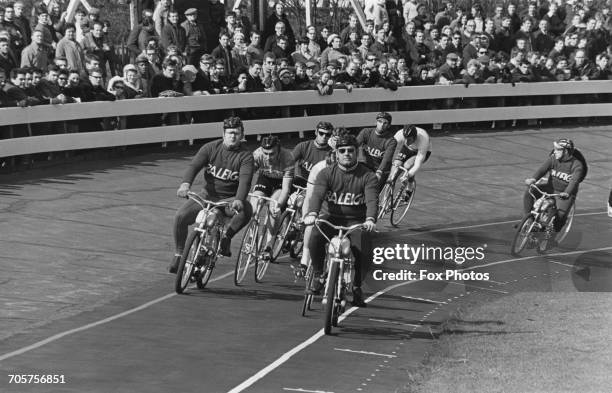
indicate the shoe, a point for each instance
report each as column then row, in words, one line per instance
column 358, row 298
column 174, row 264
column 224, row 246
column 316, row 286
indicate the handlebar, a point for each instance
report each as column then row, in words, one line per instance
column 264, row 198
column 338, row 227
column 545, row 194
column 205, row 203
column 299, row 188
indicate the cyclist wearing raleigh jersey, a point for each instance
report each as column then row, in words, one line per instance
column 349, row 189
column 275, row 168
column 566, row 168
column 378, row 146
column 413, row 150
column 228, row 171
column 308, row 153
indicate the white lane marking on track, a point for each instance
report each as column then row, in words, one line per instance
column 97, row 323
column 365, row 352
column 423, row 299
column 486, row 225
column 305, row 390
column 393, row 322
column 477, row 287
column 560, row 263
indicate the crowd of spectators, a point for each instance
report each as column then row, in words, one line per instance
column 207, row 49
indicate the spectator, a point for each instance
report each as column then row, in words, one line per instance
column 376, row 11
column 302, row 81
column 410, row 10
column 449, row 72
column 421, row 54
column 313, row 46
column 353, row 27
column 381, row 48
column 555, row 23
column 195, row 36
column 132, row 82
column 271, row 27
column 160, row 15
column 223, row 52
column 522, row 73
column 302, row 54
column 70, row 49
column 333, row 52
column 253, row 79
column 543, row 41
column 325, row 85
column 601, row 71
column 16, row 40
column 581, row 67
column 422, row 19
column 49, row 88
column 22, row 22
column 7, row 58
column 287, row 83
column 515, row 20
column 364, row 48
column 15, row 89
column 172, row 33
column 133, row 38
column 44, row 25
column 214, row 22
column 239, row 52
column 219, row 78
column 95, row 43
column 242, row 18
column 524, row 33
column 445, row 16
column 423, row 76
column 37, row 54
column 471, row 76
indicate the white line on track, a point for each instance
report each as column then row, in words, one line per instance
column 423, row 299
column 477, row 287
column 97, row 323
column 394, row 322
column 560, row 263
column 305, row 390
column 486, row 225
column 365, row 352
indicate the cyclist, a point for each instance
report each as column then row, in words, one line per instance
column 566, row 168
column 228, row 171
column 378, row 146
column 329, row 159
column 413, row 150
column 308, row 153
column 275, row 168
column 350, row 190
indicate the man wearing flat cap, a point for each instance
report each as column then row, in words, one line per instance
column 195, row 37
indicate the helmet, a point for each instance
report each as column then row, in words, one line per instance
column 233, row 122
column 384, row 115
column 325, row 125
column 410, row 132
column 270, row 141
column 346, row 140
column 566, row 144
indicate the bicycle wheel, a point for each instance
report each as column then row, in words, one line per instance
column 568, row 224
column 522, row 235
column 547, row 237
column 307, row 296
column 248, row 250
column 211, row 244
column 261, row 264
column 188, row 262
column 401, row 203
column 386, row 199
column 330, row 297
column 280, row 234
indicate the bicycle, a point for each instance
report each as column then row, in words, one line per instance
column 339, row 276
column 537, row 228
column 202, row 246
column 251, row 245
column 393, row 202
column 289, row 233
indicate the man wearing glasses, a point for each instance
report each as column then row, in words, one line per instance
column 350, row 191
column 378, row 147
column 308, row 153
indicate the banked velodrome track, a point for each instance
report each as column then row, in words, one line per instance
column 85, row 293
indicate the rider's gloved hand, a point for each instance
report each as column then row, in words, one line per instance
column 309, row 219
column 530, row 181
column 183, row 190
column 564, row 195
column 237, row 205
column 369, row 225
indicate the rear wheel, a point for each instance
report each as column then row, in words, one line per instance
column 280, row 234
column 522, row 235
column 547, row 237
column 386, row 199
column 248, row 251
column 402, row 200
column 330, row 297
column 211, row 244
column 190, row 256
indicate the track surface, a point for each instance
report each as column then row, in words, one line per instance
column 84, row 291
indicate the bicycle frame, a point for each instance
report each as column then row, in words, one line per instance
column 207, row 217
column 339, row 251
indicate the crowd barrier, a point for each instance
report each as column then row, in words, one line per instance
column 370, row 99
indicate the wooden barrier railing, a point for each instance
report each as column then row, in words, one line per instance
column 86, row 140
